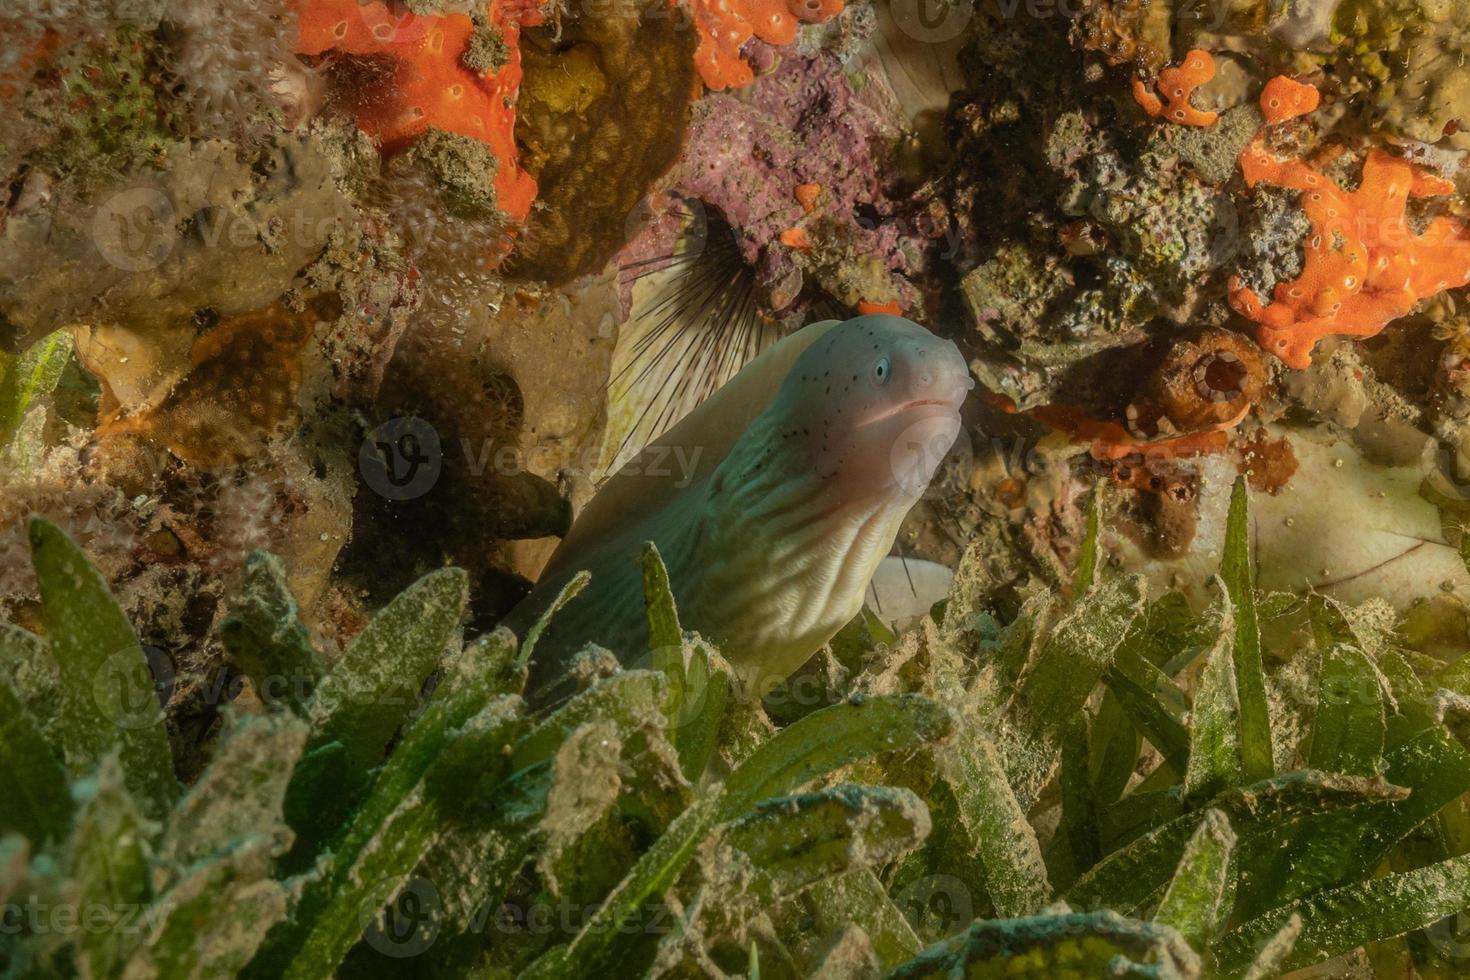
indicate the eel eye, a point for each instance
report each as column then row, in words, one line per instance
column 882, row 370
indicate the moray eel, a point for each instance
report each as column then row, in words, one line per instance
column 772, row 503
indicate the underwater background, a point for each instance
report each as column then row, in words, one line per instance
column 321, row 321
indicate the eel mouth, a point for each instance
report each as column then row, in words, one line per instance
column 949, row 404
column 917, row 402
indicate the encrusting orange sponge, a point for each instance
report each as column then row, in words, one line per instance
column 1177, row 85
column 807, row 196
column 430, row 85
column 1111, row 442
column 796, row 237
column 1285, row 98
column 1365, row 266
column 725, row 25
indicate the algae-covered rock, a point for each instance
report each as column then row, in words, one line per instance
column 1038, row 325
column 1407, row 54
column 604, row 110
column 201, row 230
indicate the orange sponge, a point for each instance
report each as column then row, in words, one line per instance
column 1284, row 98
column 725, row 25
column 429, row 85
column 1365, row 266
column 1177, row 85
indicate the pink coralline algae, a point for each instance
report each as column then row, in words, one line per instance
column 754, row 158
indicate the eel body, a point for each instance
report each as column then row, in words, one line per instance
column 772, row 503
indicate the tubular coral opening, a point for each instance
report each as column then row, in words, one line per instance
column 1208, row 381
column 429, row 86
column 1364, row 265
column 725, row 25
column 1177, row 85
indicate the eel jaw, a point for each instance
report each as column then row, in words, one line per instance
column 919, row 449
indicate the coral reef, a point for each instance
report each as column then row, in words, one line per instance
column 232, row 61
column 383, row 286
column 198, row 229
column 1128, row 32
column 94, row 105
column 1209, row 381
column 241, row 387
column 1410, row 57
column 804, row 124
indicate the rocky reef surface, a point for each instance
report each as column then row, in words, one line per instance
column 380, row 286
column 258, row 269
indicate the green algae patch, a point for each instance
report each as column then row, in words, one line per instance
column 1059, row 946
column 266, row 639
column 108, row 703
column 1198, row 900
column 964, row 793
